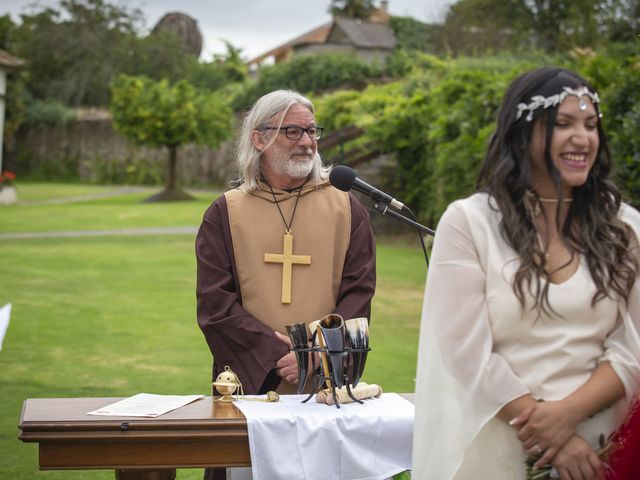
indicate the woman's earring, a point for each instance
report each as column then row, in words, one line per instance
column 536, row 208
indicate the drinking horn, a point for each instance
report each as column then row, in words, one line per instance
column 332, row 328
column 357, row 339
column 300, row 345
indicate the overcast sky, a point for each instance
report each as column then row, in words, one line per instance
column 255, row 26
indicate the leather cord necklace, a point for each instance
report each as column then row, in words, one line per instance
column 287, row 258
column 295, row 206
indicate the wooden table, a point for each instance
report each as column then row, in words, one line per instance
column 201, row 434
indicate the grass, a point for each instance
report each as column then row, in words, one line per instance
column 35, row 192
column 115, row 315
column 34, row 214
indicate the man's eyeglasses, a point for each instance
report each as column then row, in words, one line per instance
column 295, row 133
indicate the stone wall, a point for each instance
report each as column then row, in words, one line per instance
column 90, row 149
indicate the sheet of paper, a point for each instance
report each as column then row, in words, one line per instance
column 146, row 405
column 5, row 315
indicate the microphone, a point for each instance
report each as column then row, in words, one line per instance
column 344, row 178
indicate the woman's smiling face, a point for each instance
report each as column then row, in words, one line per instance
column 574, row 146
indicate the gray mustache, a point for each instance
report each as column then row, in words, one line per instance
column 307, row 151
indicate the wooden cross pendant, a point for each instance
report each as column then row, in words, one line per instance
column 287, row 259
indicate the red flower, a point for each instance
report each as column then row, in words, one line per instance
column 623, row 461
column 7, row 177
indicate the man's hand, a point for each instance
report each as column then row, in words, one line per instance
column 544, row 429
column 287, row 366
column 576, row 460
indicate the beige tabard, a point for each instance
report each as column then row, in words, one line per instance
column 321, row 229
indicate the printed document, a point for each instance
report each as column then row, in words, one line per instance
column 146, row 405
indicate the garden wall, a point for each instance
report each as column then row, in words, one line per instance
column 89, row 148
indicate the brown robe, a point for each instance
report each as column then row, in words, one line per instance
column 239, row 339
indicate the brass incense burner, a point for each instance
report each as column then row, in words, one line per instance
column 227, row 383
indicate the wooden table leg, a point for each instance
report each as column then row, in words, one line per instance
column 165, row 474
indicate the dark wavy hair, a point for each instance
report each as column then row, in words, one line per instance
column 592, row 226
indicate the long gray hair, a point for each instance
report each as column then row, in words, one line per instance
column 268, row 106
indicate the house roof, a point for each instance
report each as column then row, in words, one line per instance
column 317, row 35
column 365, row 34
column 8, row 60
column 374, row 33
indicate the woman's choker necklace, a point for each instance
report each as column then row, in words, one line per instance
column 554, row 200
column 534, row 196
column 534, row 203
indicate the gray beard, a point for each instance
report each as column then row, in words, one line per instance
column 293, row 168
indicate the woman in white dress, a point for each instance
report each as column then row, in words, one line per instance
column 529, row 338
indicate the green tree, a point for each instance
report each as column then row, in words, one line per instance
column 16, row 93
column 622, row 21
column 412, row 34
column 74, row 53
column 352, row 8
column 477, row 26
column 235, row 69
column 159, row 114
column 224, row 69
column 6, row 29
column 158, row 56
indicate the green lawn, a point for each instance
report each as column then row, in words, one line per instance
column 115, row 315
column 34, row 214
column 42, row 191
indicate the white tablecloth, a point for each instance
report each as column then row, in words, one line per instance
column 293, row 440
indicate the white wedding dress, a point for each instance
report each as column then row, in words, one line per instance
column 479, row 349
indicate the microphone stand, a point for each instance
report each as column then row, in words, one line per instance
column 384, row 210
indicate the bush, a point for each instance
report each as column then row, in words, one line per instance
column 621, row 117
column 48, row 112
column 46, row 168
column 309, row 74
column 135, row 171
column 438, row 120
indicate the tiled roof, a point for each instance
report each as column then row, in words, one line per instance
column 8, row 60
column 375, row 33
column 317, row 35
column 366, row 34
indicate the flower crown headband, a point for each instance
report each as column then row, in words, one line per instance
column 538, row 101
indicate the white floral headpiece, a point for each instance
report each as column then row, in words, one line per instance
column 538, row 101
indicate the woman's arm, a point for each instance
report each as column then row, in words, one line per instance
column 456, row 304
column 549, row 425
column 461, row 383
column 516, row 409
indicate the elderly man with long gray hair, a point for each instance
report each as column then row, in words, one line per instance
column 282, row 247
